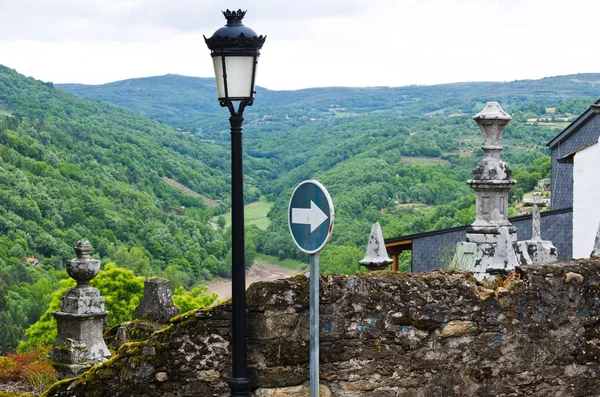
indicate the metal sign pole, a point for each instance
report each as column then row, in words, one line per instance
column 314, row 325
column 310, row 219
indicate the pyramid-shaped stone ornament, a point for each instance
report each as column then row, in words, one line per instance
column 376, row 257
column 596, row 250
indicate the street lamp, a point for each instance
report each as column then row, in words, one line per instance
column 235, row 49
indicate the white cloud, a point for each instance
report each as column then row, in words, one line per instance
column 310, row 43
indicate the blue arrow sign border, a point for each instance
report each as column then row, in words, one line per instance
column 329, row 222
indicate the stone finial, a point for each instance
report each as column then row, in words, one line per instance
column 492, row 111
column 491, row 239
column 83, row 249
column 79, row 342
column 376, row 257
column 492, row 120
column 157, row 304
column 596, row 250
column 83, row 268
column 492, row 179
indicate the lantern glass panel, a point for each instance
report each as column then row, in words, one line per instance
column 239, row 76
column 218, row 64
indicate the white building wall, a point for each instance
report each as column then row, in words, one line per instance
column 586, row 200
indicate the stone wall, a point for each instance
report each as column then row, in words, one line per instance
column 433, row 249
column 437, row 334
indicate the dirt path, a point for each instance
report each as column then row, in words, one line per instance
column 259, row 272
column 208, row 201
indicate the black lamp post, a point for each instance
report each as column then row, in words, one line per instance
column 235, row 49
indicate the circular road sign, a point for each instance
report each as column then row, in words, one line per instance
column 310, row 216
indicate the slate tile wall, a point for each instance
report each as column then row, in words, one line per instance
column 433, row 251
column 562, row 174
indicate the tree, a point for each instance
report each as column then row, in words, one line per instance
column 177, row 277
column 341, row 259
column 517, row 195
column 197, row 298
column 133, row 258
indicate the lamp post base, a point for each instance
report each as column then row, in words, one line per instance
column 240, row 386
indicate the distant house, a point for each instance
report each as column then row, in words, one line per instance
column 572, row 222
column 32, row 260
column 544, row 184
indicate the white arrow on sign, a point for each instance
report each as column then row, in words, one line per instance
column 312, row 216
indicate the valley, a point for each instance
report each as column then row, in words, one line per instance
column 141, row 169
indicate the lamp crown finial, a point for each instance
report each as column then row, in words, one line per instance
column 234, row 17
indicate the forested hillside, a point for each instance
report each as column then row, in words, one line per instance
column 73, row 168
column 144, row 191
column 399, row 156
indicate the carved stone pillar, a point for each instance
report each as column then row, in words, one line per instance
column 157, row 304
column 79, row 343
column 491, row 239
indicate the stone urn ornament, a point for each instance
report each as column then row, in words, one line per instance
column 79, row 343
column 83, row 268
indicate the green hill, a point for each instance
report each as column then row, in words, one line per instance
column 137, row 188
column 381, row 151
column 73, row 168
column 187, row 102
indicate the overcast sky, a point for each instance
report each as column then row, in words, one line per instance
column 310, row 43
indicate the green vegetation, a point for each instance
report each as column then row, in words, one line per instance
column 289, row 264
column 144, row 192
column 399, row 156
column 73, row 168
column 196, row 298
column 255, row 213
column 190, row 103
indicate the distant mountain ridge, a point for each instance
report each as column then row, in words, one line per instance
column 183, row 101
column 379, row 150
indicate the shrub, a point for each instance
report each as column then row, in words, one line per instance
column 28, row 367
column 40, row 375
column 9, row 369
